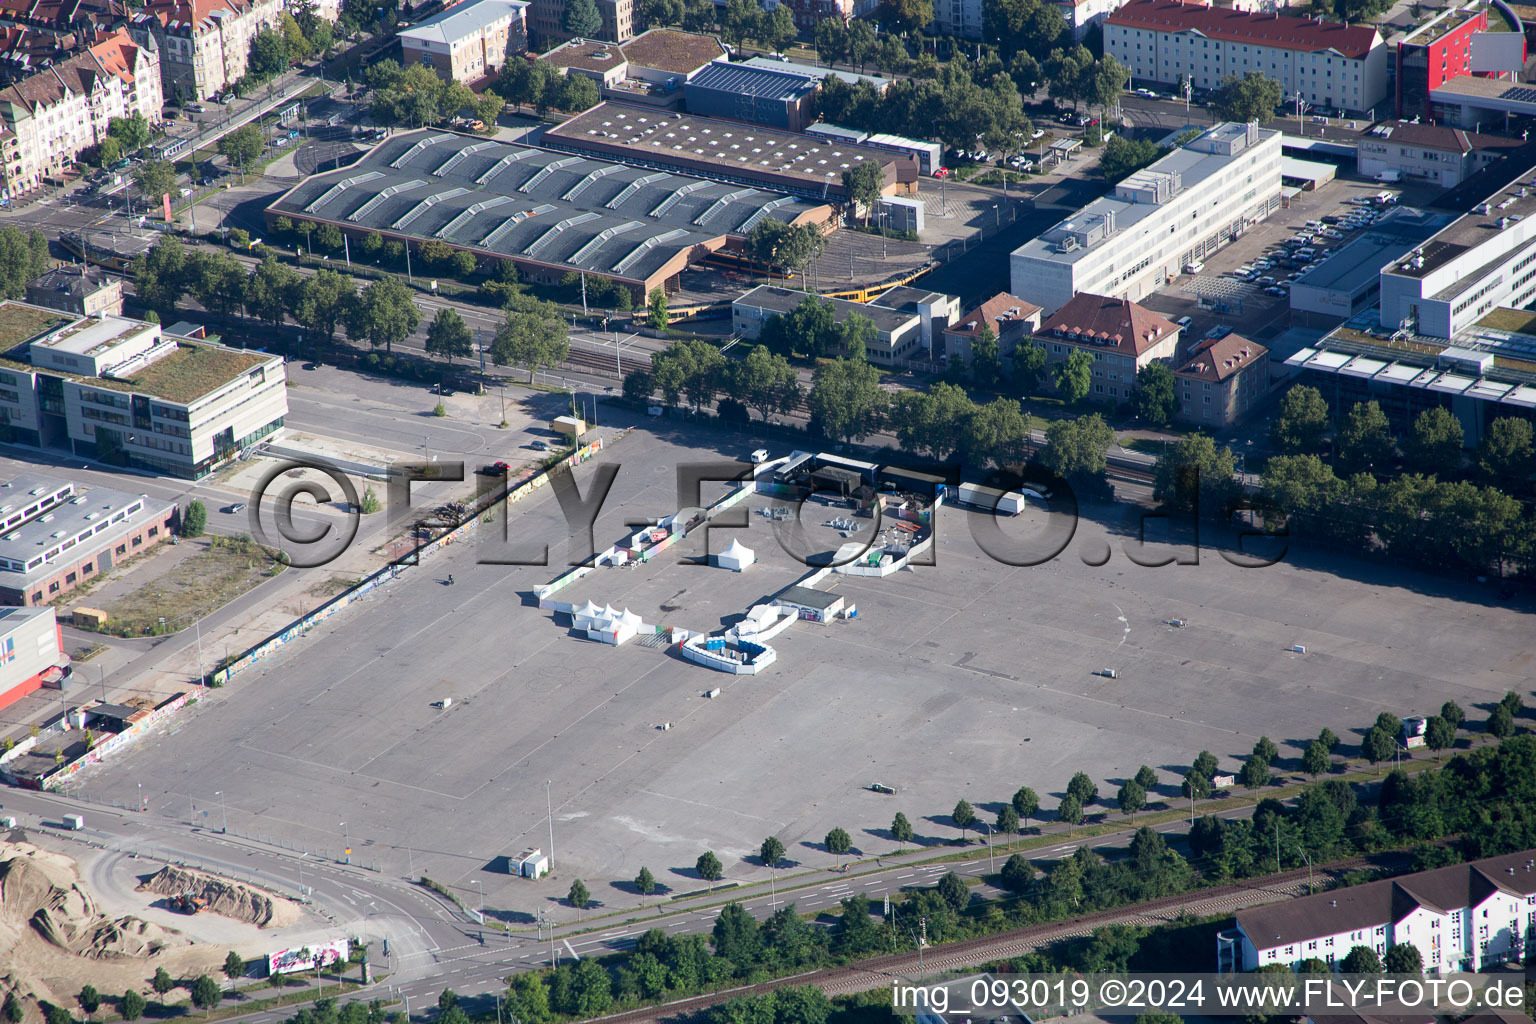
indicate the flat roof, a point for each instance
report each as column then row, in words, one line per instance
column 1308, row 170
column 94, row 334
column 584, row 54
column 1469, row 231
column 811, row 71
column 665, row 49
column 98, row 512
column 784, row 300
column 461, row 19
column 1193, row 166
column 521, row 202
column 193, row 370
column 716, row 148
column 809, row 598
column 1359, row 262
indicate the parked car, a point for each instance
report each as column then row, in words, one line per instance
column 540, row 446
column 234, row 509
column 495, row 468
column 941, row 172
column 1185, row 321
column 1148, row 93
column 1194, row 267
column 1038, row 133
column 1275, row 290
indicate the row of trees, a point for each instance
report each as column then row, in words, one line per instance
column 417, row 96
column 962, row 103
column 536, row 84
column 205, row 991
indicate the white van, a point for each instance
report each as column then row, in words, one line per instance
column 760, row 456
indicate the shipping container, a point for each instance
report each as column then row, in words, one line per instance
column 1008, row 503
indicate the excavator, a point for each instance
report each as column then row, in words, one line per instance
column 189, row 903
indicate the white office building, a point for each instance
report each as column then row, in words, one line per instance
column 1330, row 64
column 1157, row 221
column 1466, row 917
column 1483, row 259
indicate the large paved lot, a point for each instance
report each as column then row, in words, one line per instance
column 968, row 679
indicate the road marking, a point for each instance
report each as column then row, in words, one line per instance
column 912, row 875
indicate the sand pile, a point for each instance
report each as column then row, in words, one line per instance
column 231, row 899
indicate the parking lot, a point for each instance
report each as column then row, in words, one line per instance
column 1251, row 311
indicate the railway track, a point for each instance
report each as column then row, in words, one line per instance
column 883, row 970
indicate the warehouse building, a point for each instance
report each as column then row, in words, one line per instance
column 1158, row 220
column 130, row 394
column 725, row 151
column 769, row 96
column 549, row 213
column 54, row 537
column 1348, row 282
column 31, row 652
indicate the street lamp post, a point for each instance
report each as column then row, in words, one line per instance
column 223, row 811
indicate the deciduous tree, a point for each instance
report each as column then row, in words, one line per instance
column 448, row 335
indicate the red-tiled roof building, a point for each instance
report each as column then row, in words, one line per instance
column 1119, row 335
column 204, row 44
column 1331, row 64
column 1220, row 381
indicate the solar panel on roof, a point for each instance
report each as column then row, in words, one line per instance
column 1519, row 95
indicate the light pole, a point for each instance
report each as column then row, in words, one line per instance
column 346, row 842
column 550, row 811
column 223, row 811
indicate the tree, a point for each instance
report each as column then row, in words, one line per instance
column 1206, row 764
column 1026, row 802
column 708, row 867
column 1315, row 760
column 1365, row 439
column 1070, row 810
column 448, row 335
column 738, row 21
column 772, row 851
column 206, row 993
column 838, row 843
column 831, row 39
column 905, row 16
column 656, row 309
column 1501, row 722
column 89, row 999
column 1379, row 745
column 862, row 183
column 25, row 256
column 385, row 313
column 11, row 1009
column 217, row 280
column 901, row 829
column 1265, row 748
column 1123, row 157
column 1083, row 787
column 1435, row 441
column 534, row 340
column 1195, row 475
column 271, row 291
column 323, row 301
column 1361, row 960
column 578, row 896
column 447, row 1000
column 234, row 966
column 131, row 133
column 1438, row 733
column 1253, row 97
column 58, row 1015
column 130, row 1007
column 736, row 936
column 645, row 882
column 1255, row 772
column 1404, row 958
column 765, row 381
column 846, row 400
column 1331, row 742
column 161, row 982
column 242, row 146
column 1017, row 874
column 269, row 55
column 1132, row 797
column 1195, row 786
column 525, row 81
column 1077, row 448
column 1008, row 820
column 776, row 28
column 964, row 816
column 1073, row 377
column 1512, row 701
column 1452, row 713
column 195, row 520
column 953, row 891
column 1146, row 778
column 155, row 178
column 1505, row 452
column 1154, row 397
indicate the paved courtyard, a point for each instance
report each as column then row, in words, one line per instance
column 967, row 679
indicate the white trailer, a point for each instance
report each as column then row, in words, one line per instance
column 1008, row 503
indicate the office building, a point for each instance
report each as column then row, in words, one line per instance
column 1330, row 64
column 1481, row 375
column 55, row 536
column 121, row 391
column 469, row 41
column 76, row 289
column 1158, row 220
column 907, row 320
column 1434, row 53
column 1348, row 282
column 1483, row 259
column 749, row 155
column 1221, row 381
column 204, row 44
column 47, row 119
column 1120, row 336
column 1435, row 154
column 551, row 214
column 1466, row 917
column 1009, row 318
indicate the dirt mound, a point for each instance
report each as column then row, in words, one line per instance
column 230, row 899
column 39, row 891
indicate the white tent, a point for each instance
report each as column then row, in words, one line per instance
column 586, row 616
column 736, row 557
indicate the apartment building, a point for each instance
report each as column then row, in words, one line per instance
column 1433, row 153
column 470, row 40
column 1008, row 317
column 1330, row 64
column 80, row 290
column 204, row 44
column 1466, row 917
column 544, row 16
column 1081, row 15
column 122, row 391
column 1157, row 221
column 48, row 118
column 1483, row 259
column 1120, row 335
column 1433, row 54
column 1221, row 381
column 960, row 18
column 808, row 12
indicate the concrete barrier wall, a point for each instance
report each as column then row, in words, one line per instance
column 109, row 745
